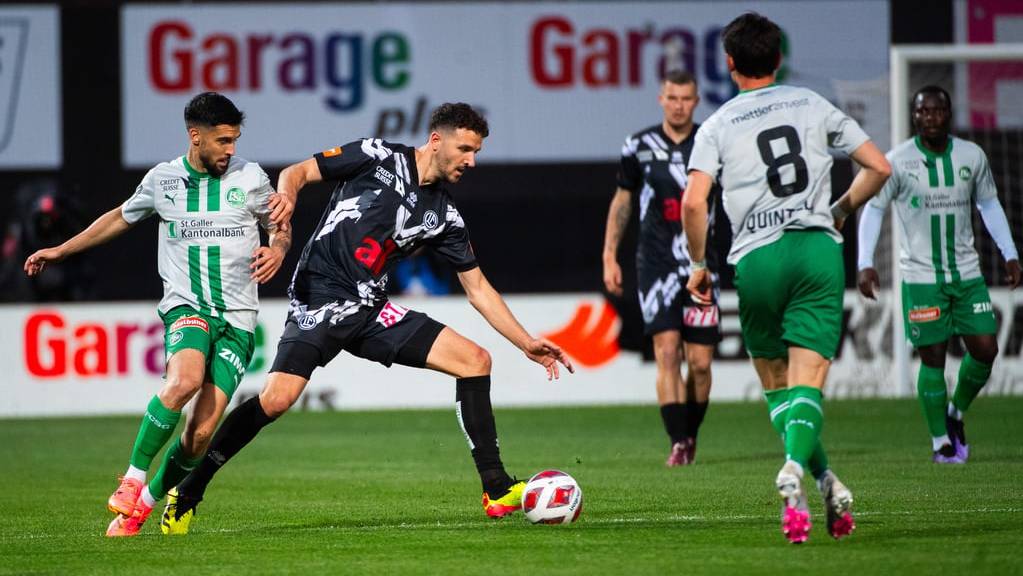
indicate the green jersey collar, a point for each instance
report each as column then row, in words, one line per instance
column 193, row 172
column 928, row 153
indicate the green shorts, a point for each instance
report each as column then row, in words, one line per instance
column 935, row 312
column 790, row 294
column 227, row 349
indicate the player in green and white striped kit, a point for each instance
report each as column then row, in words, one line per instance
column 210, row 204
column 935, row 181
column 768, row 148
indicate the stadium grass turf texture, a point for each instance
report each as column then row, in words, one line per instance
column 396, row 492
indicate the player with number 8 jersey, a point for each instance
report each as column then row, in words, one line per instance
column 768, row 149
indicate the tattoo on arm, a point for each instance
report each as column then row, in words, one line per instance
column 618, row 219
column 281, row 240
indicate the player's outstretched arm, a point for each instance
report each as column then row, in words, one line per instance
column 617, row 220
column 488, row 302
column 867, row 183
column 103, row 229
column 694, row 222
column 289, row 182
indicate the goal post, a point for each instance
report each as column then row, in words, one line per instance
column 1007, row 165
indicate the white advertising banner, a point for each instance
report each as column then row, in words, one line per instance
column 30, row 111
column 108, row 358
column 557, row 81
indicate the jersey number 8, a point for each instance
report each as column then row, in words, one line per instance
column 775, row 163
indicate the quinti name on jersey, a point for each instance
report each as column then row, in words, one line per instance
column 190, row 322
column 925, row 314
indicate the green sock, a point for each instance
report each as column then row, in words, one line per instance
column 973, row 375
column 173, row 470
column 930, row 389
column 804, row 423
column 777, row 404
column 158, row 424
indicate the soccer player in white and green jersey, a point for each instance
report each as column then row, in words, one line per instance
column 768, row 149
column 210, row 204
column 936, row 178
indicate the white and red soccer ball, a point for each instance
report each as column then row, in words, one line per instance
column 552, row 497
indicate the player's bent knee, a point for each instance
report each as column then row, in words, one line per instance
column 480, row 362
column 178, row 391
column 986, row 354
column 668, row 356
column 277, row 403
column 700, row 367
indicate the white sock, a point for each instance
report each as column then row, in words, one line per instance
column 147, row 498
column 938, row 441
column 955, row 412
column 135, row 473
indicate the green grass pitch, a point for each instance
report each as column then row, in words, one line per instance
column 396, row 492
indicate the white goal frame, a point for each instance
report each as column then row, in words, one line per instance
column 901, row 57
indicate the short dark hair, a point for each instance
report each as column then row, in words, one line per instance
column 934, row 90
column 680, row 77
column 212, row 109
column 459, row 115
column 754, row 43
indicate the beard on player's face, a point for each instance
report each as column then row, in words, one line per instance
column 214, row 162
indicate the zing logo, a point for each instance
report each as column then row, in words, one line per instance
column 965, row 173
column 236, row 197
column 982, row 307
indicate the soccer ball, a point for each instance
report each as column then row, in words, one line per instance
column 552, row 497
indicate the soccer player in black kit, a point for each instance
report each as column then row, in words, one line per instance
column 390, row 200
column 653, row 164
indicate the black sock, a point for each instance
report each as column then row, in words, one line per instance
column 237, row 430
column 476, row 415
column 674, row 417
column 697, row 410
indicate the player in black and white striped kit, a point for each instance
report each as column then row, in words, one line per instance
column 391, row 199
column 653, row 165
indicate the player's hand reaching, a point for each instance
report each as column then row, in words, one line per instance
column 699, row 286
column 266, row 261
column 868, row 283
column 613, row 277
column 36, row 262
column 281, row 208
column 1015, row 274
column 547, row 354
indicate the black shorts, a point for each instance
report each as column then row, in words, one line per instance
column 667, row 305
column 387, row 333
